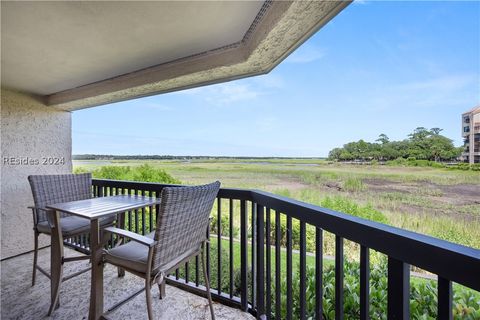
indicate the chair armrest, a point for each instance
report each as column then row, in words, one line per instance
column 37, row 208
column 149, row 242
column 35, row 218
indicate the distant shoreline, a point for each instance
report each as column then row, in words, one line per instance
column 170, row 157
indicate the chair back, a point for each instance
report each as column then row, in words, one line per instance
column 182, row 223
column 58, row 188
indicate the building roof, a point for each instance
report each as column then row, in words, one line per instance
column 74, row 55
column 475, row 110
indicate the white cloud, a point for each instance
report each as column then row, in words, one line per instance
column 240, row 90
column 306, row 53
column 225, row 93
column 270, row 81
column 362, row 2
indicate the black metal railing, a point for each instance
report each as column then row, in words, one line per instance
column 244, row 275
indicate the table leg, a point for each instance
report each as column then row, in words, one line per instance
column 56, row 263
column 96, row 289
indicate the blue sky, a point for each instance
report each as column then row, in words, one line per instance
column 378, row 67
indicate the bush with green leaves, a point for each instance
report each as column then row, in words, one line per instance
column 423, row 295
column 144, row 173
column 224, row 226
column 423, row 292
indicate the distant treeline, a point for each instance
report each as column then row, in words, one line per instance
column 421, row 144
column 169, row 157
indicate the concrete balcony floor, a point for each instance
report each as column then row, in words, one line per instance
column 22, row 301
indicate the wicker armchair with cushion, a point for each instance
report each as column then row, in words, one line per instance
column 180, row 235
column 48, row 190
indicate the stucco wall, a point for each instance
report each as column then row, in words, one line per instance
column 32, row 136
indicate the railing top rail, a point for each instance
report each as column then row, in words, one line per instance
column 452, row 261
column 232, row 193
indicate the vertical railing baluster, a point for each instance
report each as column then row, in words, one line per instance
column 364, row 283
column 278, row 239
column 207, row 254
column 444, row 303
column 338, row 277
column 278, row 271
column 129, row 220
column 156, row 213
column 260, row 262
column 219, row 245
column 143, row 216
column 230, row 217
column 187, row 272
column 136, row 192
column 268, row 273
column 398, row 303
column 197, row 272
column 289, row 268
column 303, row 269
column 254, row 257
column 148, row 215
column 318, row 274
column 243, row 255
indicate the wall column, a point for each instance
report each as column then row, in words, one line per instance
column 34, row 139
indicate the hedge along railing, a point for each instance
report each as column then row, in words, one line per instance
column 256, row 284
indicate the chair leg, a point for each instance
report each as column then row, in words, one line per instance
column 161, row 289
column 35, row 256
column 207, row 284
column 120, row 272
column 56, row 264
column 148, row 294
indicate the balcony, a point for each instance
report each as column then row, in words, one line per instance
column 21, row 301
column 253, row 273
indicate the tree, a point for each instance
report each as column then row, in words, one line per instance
column 436, row 131
column 383, row 139
column 335, row 153
column 419, row 134
column 422, row 144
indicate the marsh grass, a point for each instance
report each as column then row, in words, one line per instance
column 353, row 184
column 423, row 208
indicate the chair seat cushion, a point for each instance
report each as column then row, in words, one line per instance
column 72, row 225
column 132, row 255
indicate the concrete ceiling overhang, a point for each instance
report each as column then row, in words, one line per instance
column 75, row 55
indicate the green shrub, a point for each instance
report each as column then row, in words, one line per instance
column 224, row 226
column 350, row 207
column 144, row 173
column 423, row 295
column 353, row 184
column 412, row 162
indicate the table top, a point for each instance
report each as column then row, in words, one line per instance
column 95, row 208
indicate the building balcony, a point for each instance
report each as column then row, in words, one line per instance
column 250, row 271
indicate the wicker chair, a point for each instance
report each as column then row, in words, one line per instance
column 180, row 235
column 51, row 189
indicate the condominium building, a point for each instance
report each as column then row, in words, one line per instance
column 471, row 135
